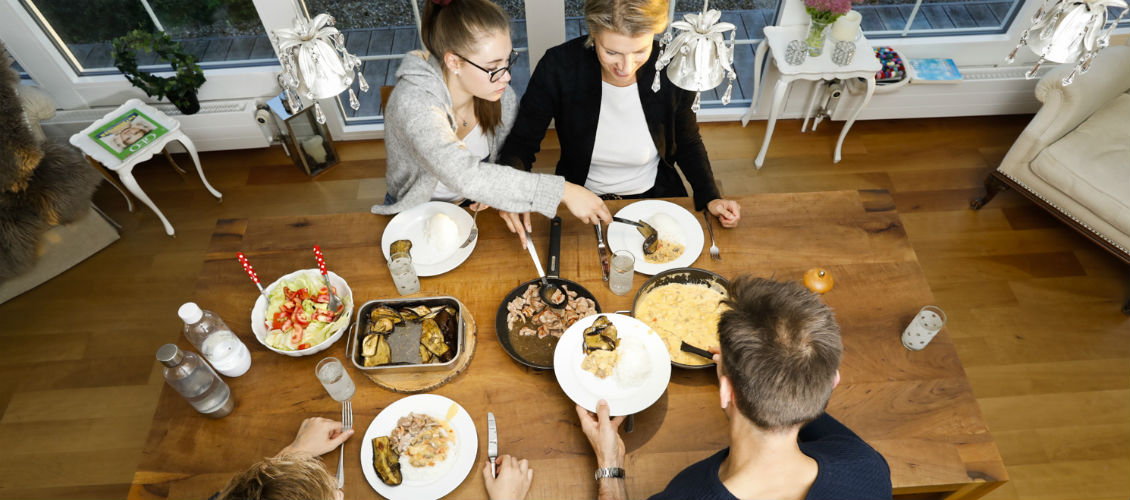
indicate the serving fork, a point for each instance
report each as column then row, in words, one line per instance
column 715, row 254
column 346, row 424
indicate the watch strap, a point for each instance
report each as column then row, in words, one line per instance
column 614, row 472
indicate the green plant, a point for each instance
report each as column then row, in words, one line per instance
column 179, row 89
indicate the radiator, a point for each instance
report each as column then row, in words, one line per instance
column 219, row 125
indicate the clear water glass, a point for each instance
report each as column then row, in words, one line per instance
column 621, row 271
column 922, row 329
column 403, row 273
column 331, row 373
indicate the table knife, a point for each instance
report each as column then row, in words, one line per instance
column 602, row 251
column 492, row 443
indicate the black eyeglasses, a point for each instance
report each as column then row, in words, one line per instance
column 495, row 74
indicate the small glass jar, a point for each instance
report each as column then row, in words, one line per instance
column 796, row 52
column 843, row 52
column 621, row 271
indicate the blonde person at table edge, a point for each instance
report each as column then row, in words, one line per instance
column 448, row 114
column 618, row 138
column 778, row 363
column 296, row 472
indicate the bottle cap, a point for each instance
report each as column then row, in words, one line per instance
column 190, row 313
column 170, row 355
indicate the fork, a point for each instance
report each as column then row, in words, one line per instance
column 474, row 230
column 715, row 254
column 346, row 424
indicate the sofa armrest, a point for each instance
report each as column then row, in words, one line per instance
column 1065, row 107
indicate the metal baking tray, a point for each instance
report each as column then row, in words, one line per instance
column 404, row 341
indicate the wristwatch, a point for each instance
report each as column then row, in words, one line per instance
column 615, row 472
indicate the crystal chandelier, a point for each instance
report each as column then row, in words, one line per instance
column 698, row 58
column 315, row 63
column 1069, row 31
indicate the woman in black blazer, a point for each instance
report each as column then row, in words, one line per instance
column 568, row 87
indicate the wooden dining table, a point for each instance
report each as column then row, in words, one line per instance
column 915, row 407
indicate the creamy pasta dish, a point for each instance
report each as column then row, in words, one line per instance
column 681, row 312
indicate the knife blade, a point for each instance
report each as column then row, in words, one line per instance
column 602, row 251
column 492, row 443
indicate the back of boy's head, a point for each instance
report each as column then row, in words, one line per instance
column 780, row 349
column 287, row 477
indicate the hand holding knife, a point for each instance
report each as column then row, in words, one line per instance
column 492, row 444
column 602, row 251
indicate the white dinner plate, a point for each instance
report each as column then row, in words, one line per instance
column 450, row 474
column 410, row 224
column 586, row 389
column 626, row 237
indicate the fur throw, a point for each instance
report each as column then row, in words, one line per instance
column 41, row 184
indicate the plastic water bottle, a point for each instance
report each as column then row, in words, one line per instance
column 208, row 333
column 196, row 381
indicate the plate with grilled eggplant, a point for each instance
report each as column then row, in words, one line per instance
column 420, row 447
column 612, row 357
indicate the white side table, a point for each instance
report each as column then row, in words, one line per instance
column 777, row 38
column 130, row 135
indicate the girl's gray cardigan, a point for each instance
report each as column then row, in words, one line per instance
column 422, row 148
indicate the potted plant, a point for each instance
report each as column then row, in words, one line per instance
column 179, row 89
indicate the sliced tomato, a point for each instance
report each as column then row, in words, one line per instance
column 303, row 294
column 287, row 325
column 296, row 335
column 278, row 320
column 322, row 298
column 323, row 316
column 289, row 306
column 305, row 345
column 301, row 317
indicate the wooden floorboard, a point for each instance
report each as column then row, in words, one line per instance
column 1032, row 305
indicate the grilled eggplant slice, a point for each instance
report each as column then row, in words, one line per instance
column 385, row 312
column 601, row 336
column 386, row 461
column 376, row 351
column 399, row 246
column 426, row 356
column 384, row 324
column 432, row 338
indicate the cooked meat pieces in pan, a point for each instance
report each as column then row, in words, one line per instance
column 531, row 316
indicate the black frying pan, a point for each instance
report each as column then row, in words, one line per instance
column 530, row 350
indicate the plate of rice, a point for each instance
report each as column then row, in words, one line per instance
column 636, row 372
column 681, row 236
column 436, row 229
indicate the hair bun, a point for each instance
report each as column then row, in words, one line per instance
column 442, row 3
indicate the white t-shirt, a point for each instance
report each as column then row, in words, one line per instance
column 476, row 143
column 624, row 158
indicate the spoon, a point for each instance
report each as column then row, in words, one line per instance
column 696, row 350
column 547, row 289
column 650, row 235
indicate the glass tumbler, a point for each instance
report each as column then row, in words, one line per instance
column 621, row 271
column 331, row 373
column 923, row 328
column 403, row 273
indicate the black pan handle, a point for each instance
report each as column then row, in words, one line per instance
column 554, row 266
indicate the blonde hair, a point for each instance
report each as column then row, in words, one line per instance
column 627, row 17
column 457, row 28
column 287, row 477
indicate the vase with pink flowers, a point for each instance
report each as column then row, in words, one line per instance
column 823, row 13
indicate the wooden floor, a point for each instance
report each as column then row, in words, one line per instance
column 1033, row 307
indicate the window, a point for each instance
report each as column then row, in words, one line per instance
column 219, row 33
column 897, row 18
column 380, row 33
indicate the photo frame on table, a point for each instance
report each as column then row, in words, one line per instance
column 128, row 133
column 306, row 141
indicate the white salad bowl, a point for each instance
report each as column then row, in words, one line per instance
column 259, row 328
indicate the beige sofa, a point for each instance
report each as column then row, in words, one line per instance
column 1073, row 159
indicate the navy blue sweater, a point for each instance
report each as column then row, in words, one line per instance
column 848, row 468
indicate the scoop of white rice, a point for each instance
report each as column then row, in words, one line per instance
column 667, row 227
column 634, row 365
column 442, row 233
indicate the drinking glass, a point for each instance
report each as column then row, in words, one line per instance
column 621, row 271
column 331, row 373
column 403, row 273
column 922, row 329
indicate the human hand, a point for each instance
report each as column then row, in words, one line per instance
column 517, row 223
column 585, row 205
column 727, row 211
column 603, row 435
column 513, row 481
column 317, row 436
column 478, row 207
